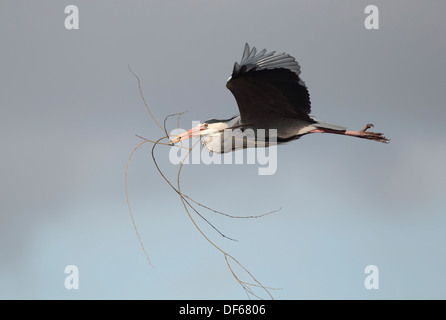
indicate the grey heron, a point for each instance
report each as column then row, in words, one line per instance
column 270, row 95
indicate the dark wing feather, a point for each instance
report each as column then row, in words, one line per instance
column 268, row 85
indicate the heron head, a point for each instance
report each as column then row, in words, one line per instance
column 203, row 129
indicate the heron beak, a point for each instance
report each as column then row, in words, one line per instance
column 189, row 134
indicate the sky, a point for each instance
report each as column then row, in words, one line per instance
column 71, row 110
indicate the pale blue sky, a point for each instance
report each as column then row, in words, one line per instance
column 70, row 110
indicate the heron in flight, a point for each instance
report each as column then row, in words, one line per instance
column 270, row 95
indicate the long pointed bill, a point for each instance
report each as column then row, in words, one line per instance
column 194, row 132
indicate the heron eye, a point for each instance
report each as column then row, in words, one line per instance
column 205, row 125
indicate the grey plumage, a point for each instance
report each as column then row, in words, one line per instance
column 272, row 98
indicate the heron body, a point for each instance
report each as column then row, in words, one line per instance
column 274, row 106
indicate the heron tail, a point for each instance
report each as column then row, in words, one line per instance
column 326, row 125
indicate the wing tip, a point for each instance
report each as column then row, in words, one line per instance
column 236, row 69
column 254, row 60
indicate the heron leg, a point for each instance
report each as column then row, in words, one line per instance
column 364, row 134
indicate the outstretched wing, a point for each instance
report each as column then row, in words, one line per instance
column 268, row 85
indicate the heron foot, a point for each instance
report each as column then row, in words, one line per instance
column 367, row 126
column 376, row 136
